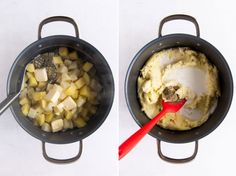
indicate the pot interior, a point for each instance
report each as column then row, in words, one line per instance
column 197, row 44
column 85, row 51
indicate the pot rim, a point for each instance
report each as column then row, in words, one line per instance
column 158, row 40
column 38, row 42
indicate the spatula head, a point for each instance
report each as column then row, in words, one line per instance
column 173, row 106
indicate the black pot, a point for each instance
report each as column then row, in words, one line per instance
column 197, row 44
column 85, row 51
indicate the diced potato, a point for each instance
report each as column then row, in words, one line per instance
column 81, row 100
column 87, row 66
column 32, row 113
column 79, row 122
column 73, row 77
column 57, row 125
column 73, row 65
column 30, row 75
column 59, row 109
column 65, row 77
column 62, row 69
column 86, row 78
column 85, row 91
column 69, row 103
column 73, row 55
column 41, row 74
column 30, row 68
column 23, row 93
column 24, row 100
column 84, row 112
column 42, row 84
column 80, row 83
column 54, row 93
column 39, row 109
column 67, row 124
column 71, row 90
column 46, row 127
column 49, row 86
column 25, row 109
column 68, row 115
column 49, row 117
column 40, row 119
column 50, row 106
column 38, row 96
column 32, row 82
column 64, row 84
column 76, row 94
column 95, row 85
column 43, row 103
column 62, row 96
column 63, row 51
column 57, row 60
column 67, row 62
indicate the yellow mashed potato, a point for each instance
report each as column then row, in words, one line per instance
column 192, row 77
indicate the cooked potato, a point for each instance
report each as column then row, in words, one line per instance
column 25, row 109
column 79, row 122
column 40, row 119
column 46, row 127
column 86, row 78
column 38, row 96
column 24, row 100
column 49, row 117
column 85, row 91
column 63, row 51
column 30, row 68
column 57, row 125
column 73, row 55
column 87, row 66
column 80, row 83
column 33, row 82
column 57, row 60
column 70, row 90
column 67, row 103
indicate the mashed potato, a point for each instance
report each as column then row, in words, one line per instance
column 189, row 74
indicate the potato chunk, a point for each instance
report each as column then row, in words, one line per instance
column 69, row 104
column 87, row 66
column 80, row 83
column 73, row 55
column 30, row 68
column 63, row 51
column 41, row 74
column 57, row 60
column 57, row 125
column 25, row 109
column 38, row 96
column 79, row 122
column 40, row 119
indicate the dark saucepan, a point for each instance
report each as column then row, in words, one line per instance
column 85, row 51
column 195, row 43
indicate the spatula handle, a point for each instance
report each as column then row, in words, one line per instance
column 130, row 143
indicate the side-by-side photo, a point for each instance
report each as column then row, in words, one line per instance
column 117, row 88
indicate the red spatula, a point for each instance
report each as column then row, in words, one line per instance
column 130, row 143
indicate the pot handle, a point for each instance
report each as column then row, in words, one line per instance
column 62, row 161
column 179, row 17
column 174, row 160
column 58, row 18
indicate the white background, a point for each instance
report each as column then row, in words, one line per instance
column 21, row 154
column 139, row 21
